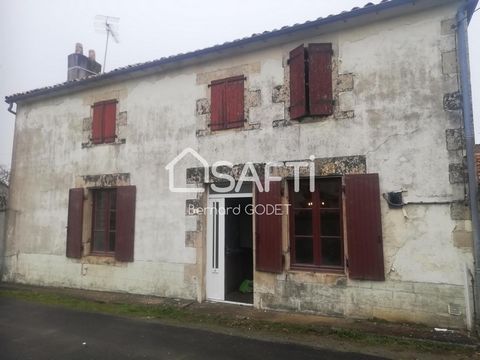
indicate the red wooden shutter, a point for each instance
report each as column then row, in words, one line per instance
column 109, row 121
column 364, row 227
column 320, row 79
column 75, row 223
column 268, row 228
column 217, row 119
column 298, row 101
column 234, row 100
column 125, row 223
column 97, row 123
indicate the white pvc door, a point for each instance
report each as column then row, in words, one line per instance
column 216, row 249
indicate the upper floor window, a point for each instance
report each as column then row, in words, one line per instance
column 104, row 122
column 227, row 103
column 311, row 92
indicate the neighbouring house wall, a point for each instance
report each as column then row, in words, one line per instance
column 395, row 86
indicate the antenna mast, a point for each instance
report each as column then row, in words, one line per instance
column 108, row 25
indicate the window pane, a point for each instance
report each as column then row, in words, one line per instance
column 99, row 240
column 113, row 199
column 113, row 220
column 330, row 224
column 303, row 222
column 99, row 220
column 302, row 198
column 303, row 250
column 111, row 242
column 331, row 252
column 330, row 193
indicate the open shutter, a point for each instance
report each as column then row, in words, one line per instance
column 97, row 123
column 298, row 101
column 125, row 223
column 217, row 119
column 364, row 227
column 320, row 79
column 109, row 121
column 268, row 228
column 234, row 100
column 75, row 223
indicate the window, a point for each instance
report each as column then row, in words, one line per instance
column 104, row 122
column 317, row 236
column 227, row 103
column 311, row 91
column 316, row 224
column 104, row 221
column 112, row 223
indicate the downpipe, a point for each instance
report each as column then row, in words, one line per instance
column 467, row 109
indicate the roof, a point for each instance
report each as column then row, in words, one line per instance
column 130, row 70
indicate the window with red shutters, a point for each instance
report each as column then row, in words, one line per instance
column 113, row 222
column 311, row 92
column 104, row 122
column 227, row 108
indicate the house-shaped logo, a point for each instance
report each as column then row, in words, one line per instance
column 171, row 171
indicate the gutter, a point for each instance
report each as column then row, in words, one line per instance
column 463, row 18
column 10, row 106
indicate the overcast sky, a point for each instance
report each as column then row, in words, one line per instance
column 37, row 35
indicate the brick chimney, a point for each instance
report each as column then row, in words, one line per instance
column 80, row 66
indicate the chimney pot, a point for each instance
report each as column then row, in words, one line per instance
column 78, row 48
column 91, row 54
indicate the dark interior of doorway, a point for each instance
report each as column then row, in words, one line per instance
column 238, row 250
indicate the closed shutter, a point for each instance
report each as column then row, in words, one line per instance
column 268, row 228
column 75, row 223
column 217, row 119
column 364, row 227
column 320, row 79
column 109, row 121
column 125, row 222
column 298, row 101
column 234, row 102
column 97, row 124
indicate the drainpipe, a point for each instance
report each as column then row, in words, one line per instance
column 467, row 108
column 10, row 106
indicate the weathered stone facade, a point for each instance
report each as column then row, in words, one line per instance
column 395, row 114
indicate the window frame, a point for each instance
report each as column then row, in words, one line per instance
column 316, row 228
column 103, row 138
column 107, row 214
column 226, row 124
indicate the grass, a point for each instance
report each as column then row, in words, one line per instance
column 188, row 316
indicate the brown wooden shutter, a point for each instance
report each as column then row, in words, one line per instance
column 268, row 230
column 364, row 227
column 298, row 100
column 125, row 223
column 217, row 118
column 234, row 102
column 109, row 121
column 97, row 123
column 75, row 223
column 320, row 79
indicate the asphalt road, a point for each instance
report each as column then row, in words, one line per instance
column 35, row 331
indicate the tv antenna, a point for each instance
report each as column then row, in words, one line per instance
column 109, row 25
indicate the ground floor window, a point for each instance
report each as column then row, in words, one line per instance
column 316, row 224
column 104, row 221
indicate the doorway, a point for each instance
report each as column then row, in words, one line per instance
column 230, row 248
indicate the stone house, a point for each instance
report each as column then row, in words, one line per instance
column 351, row 128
